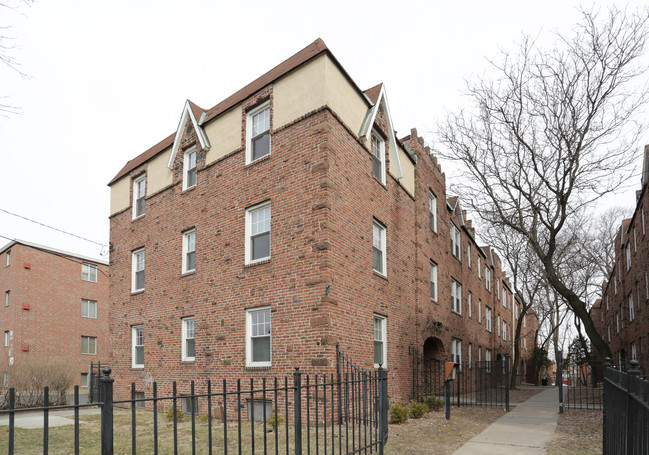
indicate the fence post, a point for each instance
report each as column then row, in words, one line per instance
column 560, row 380
column 507, row 382
column 630, row 379
column 447, row 399
column 107, row 412
column 383, row 408
column 607, row 365
column 297, row 405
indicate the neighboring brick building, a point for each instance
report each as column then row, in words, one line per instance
column 55, row 307
column 622, row 315
column 292, row 205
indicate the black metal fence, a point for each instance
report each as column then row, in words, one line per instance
column 303, row 414
column 580, row 384
column 483, row 383
column 626, row 412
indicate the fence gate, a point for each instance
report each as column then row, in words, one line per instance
column 94, row 389
column 580, row 384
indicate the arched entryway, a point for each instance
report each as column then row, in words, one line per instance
column 434, row 349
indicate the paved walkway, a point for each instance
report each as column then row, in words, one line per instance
column 524, row 430
column 34, row 419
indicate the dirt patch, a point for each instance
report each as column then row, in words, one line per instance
column 579, row 432
column 432, row 434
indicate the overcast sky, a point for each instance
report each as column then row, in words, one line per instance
column 107, row 80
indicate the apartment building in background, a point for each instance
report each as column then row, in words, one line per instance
column 622, row 315
column 286, row 220
column 54, row 310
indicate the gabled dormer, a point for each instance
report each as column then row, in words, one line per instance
column 191, row 117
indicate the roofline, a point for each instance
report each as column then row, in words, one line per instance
column 53, row 250
column 313, row 50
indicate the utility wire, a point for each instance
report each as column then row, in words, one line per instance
column 53, row 228
column 57, row 254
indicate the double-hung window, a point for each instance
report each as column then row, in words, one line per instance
column 258, row 233
column 487, row 357
column 89, row 272
column 470, row 304
column 631, row 309
column 380, row 341
column 455, row 242
column 487, row 317
column 378, row 247
column 189, row 251
column 137, row 333
column 498, row 325
column 433, row 281
column 138, row 270
column 504, row 330
column 468, row 254
column 432, row 211
column 480, row 311
column 456, row 352
column 258, row 125
column 487, row 278
column 89, row 345
column 189, row 340
column 504, row 297
column 7, row 298
column 456, row 296
column 189, row 168
column 378, row 157
column 139, row 194
column 7, row 338
column 88, row 308
column 258, row 339
column 8, row 258
column 628, row 256
column 479, row 267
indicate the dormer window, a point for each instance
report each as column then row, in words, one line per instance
column 258, row 133
column 378, row 157
column 189, row 168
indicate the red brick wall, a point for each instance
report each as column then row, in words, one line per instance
column 52, row 327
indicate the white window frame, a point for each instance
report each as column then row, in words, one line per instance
column 135, row 268
column 487, row 315
column 504, row 297
column 379, row 245
column 382, row 331
column 617, row 321
column 468, row 254
column 7, row 339
column 480, row 311
column 378, row 153
column 83, row 381
column 433, row 281
column 432, row 211
column 249, row 232
column 498, row 288
column 504, row 330
column 249, row 125
column 87, row 340
column 487, row 278
column 187, row 162
column 634, row 352
column 643, row 227
column 498, row 325
column 456, row 352
column 249, row 338
column 468, row 353
column 7, row 298
column 646, row 286
column 88, row 304
column 188, row 334
column 189, row 247
column 628, row 256
column 89, row 272
column 139, row 194
column 137, row 341
column 456, row 297
column 8, row 258
column 479, row 267
column 456, row 242
column 635, row 241
column 487, row 358
column 631, row 308
column 609, row 333
column 469, row 303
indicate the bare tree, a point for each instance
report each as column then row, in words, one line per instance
column 550, row 133
column 8, row 48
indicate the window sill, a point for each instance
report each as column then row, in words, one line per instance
column 258, row 160
column 380, row 275
column 139, row 291
column 188, row 273
column 139, row 367
column 187, row 190
column 258, row 262
column 434, row 301
column 188, row 361
column 139, row 217
column 456, row 313
column 258, row 367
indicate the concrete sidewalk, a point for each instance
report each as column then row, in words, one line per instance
column 524, row 430
column 34, row 419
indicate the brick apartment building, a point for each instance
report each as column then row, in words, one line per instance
column 55, row 308
column 284, row 220
column 622, row 315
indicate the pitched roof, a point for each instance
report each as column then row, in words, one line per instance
column 312, row 50
column 57, row 252
column 373, row 93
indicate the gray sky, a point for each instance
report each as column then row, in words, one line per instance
column 109, row 79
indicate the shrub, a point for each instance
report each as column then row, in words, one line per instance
column 203, row 419
column 30, row 377
column 434, row 403
column 179, row 414
column 398, row 413
column 273, row 420
column 417, row 410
